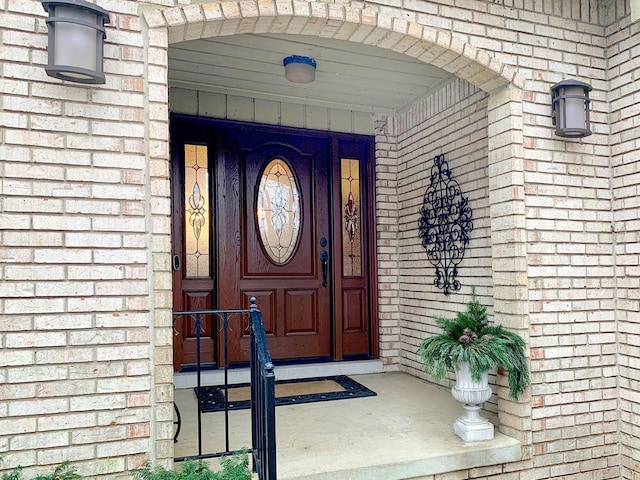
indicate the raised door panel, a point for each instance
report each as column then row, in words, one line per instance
column 355, row 333
column 353, row 310
column 266, row 300
column 186, row 325
column 301, row 308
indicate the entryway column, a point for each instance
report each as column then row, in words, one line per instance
column 508, row 240
column 386, row 205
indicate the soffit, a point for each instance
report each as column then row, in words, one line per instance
column 349, row 75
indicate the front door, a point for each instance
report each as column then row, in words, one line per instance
column 275, row 214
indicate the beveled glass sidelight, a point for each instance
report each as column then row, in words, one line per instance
column 196, row 193
column 352, row 216
column 278, row 211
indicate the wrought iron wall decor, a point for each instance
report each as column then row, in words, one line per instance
column 445, row 224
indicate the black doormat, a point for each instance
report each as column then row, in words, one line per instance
column 288, row 392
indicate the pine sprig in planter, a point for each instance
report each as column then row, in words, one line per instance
column 469, row 338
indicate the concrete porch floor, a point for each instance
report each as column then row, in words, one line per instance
column 405, row 432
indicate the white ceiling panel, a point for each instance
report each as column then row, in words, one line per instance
column 349, row 75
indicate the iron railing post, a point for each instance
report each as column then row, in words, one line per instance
column 263, row 411
column 263, row 416
column 198, row 319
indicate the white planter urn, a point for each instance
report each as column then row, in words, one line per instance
column 471, row 426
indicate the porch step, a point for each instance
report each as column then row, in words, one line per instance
column 406, row 432
column 499, row 451
column 283, row 372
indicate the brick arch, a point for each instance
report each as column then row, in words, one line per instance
column 167, row 26
column 436, row 47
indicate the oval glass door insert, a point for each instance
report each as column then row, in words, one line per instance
column 278, row 211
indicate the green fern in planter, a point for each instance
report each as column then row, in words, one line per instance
column 469, row 338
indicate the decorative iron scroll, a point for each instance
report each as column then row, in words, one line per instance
column 445, row 224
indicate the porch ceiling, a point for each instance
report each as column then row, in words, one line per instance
column 349, row 75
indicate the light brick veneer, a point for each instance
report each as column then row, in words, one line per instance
column 85, row 328
column 624, row 97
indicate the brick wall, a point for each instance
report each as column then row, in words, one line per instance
column 84, row 253
column 387, row 242
column 453, row 122
column 569, row 249
column 571, row 283
column 85, row 326
column 624, row 95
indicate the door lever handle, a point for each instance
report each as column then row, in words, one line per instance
column 324, row 259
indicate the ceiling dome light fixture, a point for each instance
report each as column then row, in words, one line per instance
column 299, row 69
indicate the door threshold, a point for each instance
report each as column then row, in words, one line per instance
column 283, row 372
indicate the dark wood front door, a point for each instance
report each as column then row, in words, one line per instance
column 283, row 211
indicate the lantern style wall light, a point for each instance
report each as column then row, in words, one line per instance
column 570, row 108
column 76, row 40
column 299, row 69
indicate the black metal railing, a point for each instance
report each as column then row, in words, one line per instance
column 263, row 401
column 262, row 387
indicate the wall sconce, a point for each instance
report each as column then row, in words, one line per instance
column 298, row 69
column 570, row 108
column 76, row 40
